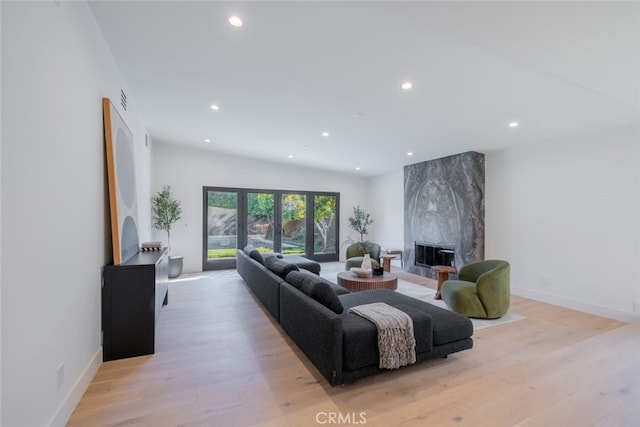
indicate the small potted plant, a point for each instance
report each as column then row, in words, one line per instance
column 166, row 212
column 359, row 222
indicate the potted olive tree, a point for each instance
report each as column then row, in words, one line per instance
column 166, row 212
column 360, row 221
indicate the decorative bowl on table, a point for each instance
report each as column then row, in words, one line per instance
column 360, row 272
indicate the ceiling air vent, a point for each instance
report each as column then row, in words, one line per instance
column 123, row 100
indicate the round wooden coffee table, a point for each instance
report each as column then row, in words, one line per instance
column 349, row 280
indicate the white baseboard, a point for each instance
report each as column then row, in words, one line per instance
column 71, row 400
column 587, row 307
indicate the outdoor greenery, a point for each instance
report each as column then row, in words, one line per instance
column 261, row 208
column 221, row 253
column 324, row 216
column 231, row 252
column 260, row 205
column 359, row 221
column 166, row 211
column 223, row 200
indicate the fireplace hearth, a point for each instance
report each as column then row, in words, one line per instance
column 429, row 254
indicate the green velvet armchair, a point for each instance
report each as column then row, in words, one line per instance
column 482, row 290
column 355, row 254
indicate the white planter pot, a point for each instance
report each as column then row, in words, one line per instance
column 175, row 266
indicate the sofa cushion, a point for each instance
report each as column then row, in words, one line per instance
column 257, row 256
column 447, row 326
column 317, row 288
column 339, row 290
column 279, row 266
column 266, row 255
column 253, row 253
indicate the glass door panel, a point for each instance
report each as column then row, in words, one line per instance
column 324, row 224
column 222, row 225
column 293, row 223
column 260, row 221
column 302, row 223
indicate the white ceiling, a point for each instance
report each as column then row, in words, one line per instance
column 296, row 69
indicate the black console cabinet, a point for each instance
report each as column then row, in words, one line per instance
column 132, row 295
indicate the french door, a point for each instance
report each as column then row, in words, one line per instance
column 221, row 229
column 289, row 222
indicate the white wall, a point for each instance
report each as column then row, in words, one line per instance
column 565, row 215
column 0, row 231
column 188, row 170
column 386, row 201
column 55, row 235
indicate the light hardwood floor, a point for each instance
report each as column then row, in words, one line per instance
column 222, row 361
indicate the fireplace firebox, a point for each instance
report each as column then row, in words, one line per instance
column 429, row 254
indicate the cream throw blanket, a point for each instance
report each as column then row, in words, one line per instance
column 396, row 342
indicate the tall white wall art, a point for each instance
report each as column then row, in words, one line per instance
column 122, row 184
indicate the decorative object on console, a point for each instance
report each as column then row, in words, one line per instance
column 150, row 246
column 166, row 212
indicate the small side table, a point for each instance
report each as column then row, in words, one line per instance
column 386, row 261
column 393, row 251
column 443, row 274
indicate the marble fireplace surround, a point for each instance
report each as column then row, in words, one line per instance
column 444, row 206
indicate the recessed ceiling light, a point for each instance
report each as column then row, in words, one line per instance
column 214, row 107
column 235, row 21
column 513, row 124
column 325, row 134
column 290, row 156
column 357, row 168
column 207, row 140
column 406, row 85
column 409, row 153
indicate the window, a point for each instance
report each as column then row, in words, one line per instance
column 289, row 222
column 221, row 227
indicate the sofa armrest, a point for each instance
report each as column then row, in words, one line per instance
column 315, row 329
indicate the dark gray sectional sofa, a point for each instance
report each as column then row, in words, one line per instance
column 343, row 346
